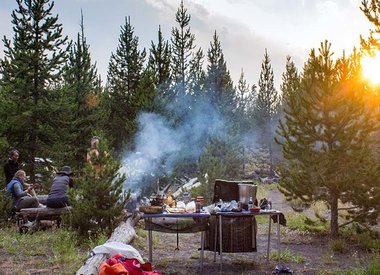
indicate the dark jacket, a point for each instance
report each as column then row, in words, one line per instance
column 10, row 169
column 59, row 187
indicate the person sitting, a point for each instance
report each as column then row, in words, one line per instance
column 58, row 196
column 21, row 198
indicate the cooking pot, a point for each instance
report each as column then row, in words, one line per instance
column 247, row 191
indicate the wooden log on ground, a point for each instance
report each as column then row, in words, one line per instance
column 124, row 233
column 43, row 212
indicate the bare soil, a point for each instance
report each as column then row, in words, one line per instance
column 313, row 248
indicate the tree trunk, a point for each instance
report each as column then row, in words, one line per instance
column 334, row 227
column 124, row 233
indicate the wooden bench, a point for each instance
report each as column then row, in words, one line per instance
column 39, row 214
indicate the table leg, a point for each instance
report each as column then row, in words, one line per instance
column 220, row 242
column 269, row 233
column 278, row 238
column 150, row 246
column 202, row 248
column 216, row 236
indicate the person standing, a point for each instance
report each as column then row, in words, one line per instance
column 21, row 198
column 11, row 165
column 93, row 155
column 58, row 196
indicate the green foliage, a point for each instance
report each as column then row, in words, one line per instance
column 219, row 86
column 30, row 73
column 99, row 199
column 121, row 100
column 267, row 105
column 42, row 250
column 338, row 245
column 326, row 139
column 287, row 256
column 221, row 159
column 82, row 90
column 291, row 82
column 159, row 64
column 367, row 241
column 246, row 99
column 5, row 207
column 300, row 222
column 182, row 45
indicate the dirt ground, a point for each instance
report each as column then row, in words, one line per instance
column 315, row 250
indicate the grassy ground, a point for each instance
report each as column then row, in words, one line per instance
column 305, row 247
column 43, row 252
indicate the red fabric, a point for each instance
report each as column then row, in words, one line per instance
column 133, row 266
column 115, row 269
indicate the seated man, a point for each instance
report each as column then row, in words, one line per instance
column 21, row 198
column 58, row 197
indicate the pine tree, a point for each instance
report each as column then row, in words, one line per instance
column 98, row 200
column 267, row 108
column 197, row 75
column 371, row 9
column 327, row 140
column 159, row 64
column 182, row 48
column 221, row 158
column 30, row 71
column 124, row 74
column 83, row 87
column 290, row 81
column 246, row 98
column 219, row 86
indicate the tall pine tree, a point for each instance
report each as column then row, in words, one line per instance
column 30, row 73
column 182, row 45
column 159, row 66
column 219, row 86
column 83, row 88
column 124, row 74
column 291, row 81
column 267, row 108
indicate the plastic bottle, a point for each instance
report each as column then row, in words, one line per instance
column 250, row 203
column 199, row 203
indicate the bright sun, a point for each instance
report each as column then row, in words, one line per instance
column 371, row 68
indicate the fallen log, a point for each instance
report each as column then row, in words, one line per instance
column 43, row 212
column 124, row 233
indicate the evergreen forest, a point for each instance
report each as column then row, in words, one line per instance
column 172, row 111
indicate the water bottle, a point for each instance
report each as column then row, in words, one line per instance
column 250, row 203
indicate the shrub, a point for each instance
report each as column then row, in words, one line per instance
column 5, row 207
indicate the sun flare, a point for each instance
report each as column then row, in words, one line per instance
column 371, row 68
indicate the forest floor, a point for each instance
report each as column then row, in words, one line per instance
column 302, row 253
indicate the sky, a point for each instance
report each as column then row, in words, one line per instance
column 246, row 28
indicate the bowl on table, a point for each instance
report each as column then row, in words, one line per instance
column 255, row 209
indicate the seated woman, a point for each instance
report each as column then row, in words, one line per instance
column 21, row 198
column 58, row 197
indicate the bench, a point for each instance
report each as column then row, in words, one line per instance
column 39, row 214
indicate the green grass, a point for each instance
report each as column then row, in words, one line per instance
column 338, row 245
column 42, row 250
column 300, row 222
column 287, row 256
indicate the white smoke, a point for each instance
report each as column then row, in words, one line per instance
column 159, row 146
